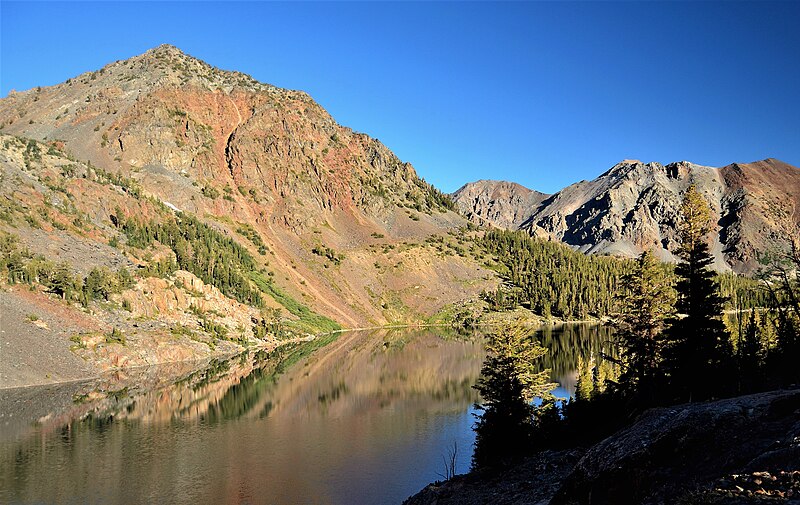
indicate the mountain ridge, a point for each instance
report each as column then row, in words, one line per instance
column 336, row 224
column 634, row 206
column 200, row 211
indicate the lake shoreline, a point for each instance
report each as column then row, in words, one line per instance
column 199, row 360
column 102, row 366
column 691, row 453
column 274, row 414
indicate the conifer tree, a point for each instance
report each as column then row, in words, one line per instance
column 698, row 352
column 748, row 355
column 646, row 300
column 508, row 384
column 783, row 283
column 61, row 281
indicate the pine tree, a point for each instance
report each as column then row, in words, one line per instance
column 748, row 355
column 61, row 281
column 550, row 277
column 508, row 384
column 646, row 300
column 782, row 280
column 698, row 352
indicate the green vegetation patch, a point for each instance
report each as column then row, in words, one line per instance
column 200, row 249
column 328, row 253
column 550, row 278
column 253, row 236
column 309, row 321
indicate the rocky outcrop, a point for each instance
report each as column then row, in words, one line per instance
column 635, row 206
column 683, row 454
column 499, row 203
column 164, row 133
column 171, row 119
column 671, row 452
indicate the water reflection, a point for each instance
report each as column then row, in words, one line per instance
column 367, row 420
column 575, row 357
column 347, row 425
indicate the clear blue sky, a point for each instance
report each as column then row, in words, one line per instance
column 544, row 94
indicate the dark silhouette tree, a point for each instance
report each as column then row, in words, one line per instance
column 508, row 384
column 749, row 355
column 698, row 349
column 781, row 278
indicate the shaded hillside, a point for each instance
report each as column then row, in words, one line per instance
column 634, row 206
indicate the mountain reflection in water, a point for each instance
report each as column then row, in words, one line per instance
column 365, row 420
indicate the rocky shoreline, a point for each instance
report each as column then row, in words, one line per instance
column 732, row 451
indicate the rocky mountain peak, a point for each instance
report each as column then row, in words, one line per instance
column 500, row 203
column 166, row 50
column 168, row 65
column 635, row 206
column 318, row 205
column 169, row 117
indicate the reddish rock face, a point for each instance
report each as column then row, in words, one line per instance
column 266, row 166
column 164, row 114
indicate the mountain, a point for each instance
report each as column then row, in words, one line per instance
column 635, row 206
column 163, row 157
column 500, row 203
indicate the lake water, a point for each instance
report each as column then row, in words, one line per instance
column 366, row 419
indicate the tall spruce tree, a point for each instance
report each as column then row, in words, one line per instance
column 646, row 302
column 783, row 283
column 748, row 355
column 508, row 384
column 698, row 349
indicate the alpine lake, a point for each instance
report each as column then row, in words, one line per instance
column 366, row 417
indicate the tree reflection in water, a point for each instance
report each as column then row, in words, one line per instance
column 365, row 420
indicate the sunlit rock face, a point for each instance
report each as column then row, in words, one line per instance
column 635, row 206
column 500, row 203
column 239, row 155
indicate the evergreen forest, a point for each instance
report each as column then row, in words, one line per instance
column 672, row 343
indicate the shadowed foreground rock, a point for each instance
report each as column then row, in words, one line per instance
column 683, row 454
column 669, row 452
column 533, row 481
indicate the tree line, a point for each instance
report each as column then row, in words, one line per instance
column 671, row 344
column 200, row 249
column 551, row 279
column 19, row 266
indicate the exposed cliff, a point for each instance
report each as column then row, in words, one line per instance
column 499, row 203
column 635, row 206
column 333, row 220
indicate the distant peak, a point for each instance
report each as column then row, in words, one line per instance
column 165, row 49
column 167, row 52
column 488, row 185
